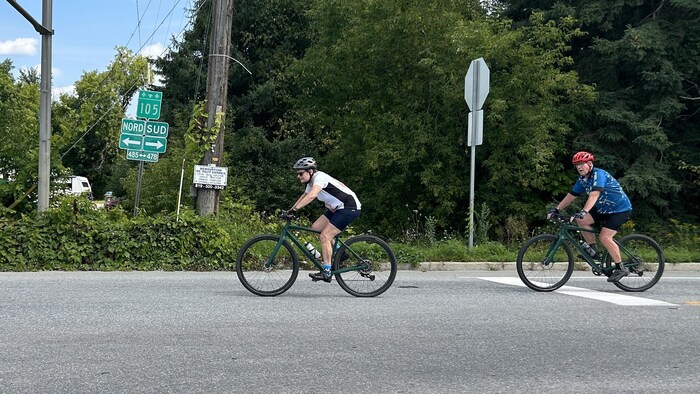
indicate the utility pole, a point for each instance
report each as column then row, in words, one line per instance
column 46, row 32
column 217, row 92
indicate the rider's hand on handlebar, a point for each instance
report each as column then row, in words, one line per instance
column 580, row 214
column 552, row 212
column 288, row 215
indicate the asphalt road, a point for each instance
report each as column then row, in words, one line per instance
column 468, row 331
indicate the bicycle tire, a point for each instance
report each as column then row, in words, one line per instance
column 538, row 274
column 261, row 280
column 379, row 261
column 646, row 257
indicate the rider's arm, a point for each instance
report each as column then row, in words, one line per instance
column 566, row 201
column 294, row 206
column 306, row 198
column 592, row 198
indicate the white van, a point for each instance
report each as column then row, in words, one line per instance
column 76, row 185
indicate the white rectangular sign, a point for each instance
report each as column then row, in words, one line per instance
column 475, row 130
column 210, row 177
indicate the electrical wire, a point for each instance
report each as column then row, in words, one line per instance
column 141, row 46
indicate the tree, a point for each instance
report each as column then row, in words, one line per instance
column 86, row 126
column 19, row 133
column 642, row 57
column 382, row 90
column 267, row 36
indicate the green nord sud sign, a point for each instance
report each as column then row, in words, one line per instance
column 142, row 127
column 143, row 140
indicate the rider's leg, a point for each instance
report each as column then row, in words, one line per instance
column 587, row 222
column 327, row 236
column 606, row 238
column 320, row 225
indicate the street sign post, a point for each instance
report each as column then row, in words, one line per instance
column 476, row 88
column 148, row 105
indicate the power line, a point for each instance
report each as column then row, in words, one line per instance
column 109, row 74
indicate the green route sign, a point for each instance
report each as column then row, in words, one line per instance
column 142, row 127
column 157, row 129
column 133, row 126
column 148, row 105
column 154, row 144
column 141, row 156
column 129, row 141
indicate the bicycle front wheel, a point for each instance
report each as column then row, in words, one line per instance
column 645, row 260
column 367, row 266
column 266, row 269
column 541, row 267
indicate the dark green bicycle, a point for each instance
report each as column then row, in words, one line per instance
column 268, row 265
column 546, row 261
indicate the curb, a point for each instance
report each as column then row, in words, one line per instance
column 509, row 266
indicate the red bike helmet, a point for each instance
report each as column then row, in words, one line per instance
column 582, row 157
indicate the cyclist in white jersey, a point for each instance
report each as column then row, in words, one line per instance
column 343, row 207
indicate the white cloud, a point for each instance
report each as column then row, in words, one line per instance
column 19, row 46
column 57, row 91
column 152, row 51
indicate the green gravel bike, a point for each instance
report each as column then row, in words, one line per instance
column 268, row 265
column 546, row 261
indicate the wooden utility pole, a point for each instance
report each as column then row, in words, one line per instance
column 217, row 92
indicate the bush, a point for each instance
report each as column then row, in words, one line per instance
column 77, row 236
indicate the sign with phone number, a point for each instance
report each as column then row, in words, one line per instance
column 210, row 177
column 203, row 186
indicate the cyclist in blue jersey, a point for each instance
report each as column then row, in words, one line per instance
column 607, row 205
column 342, row 208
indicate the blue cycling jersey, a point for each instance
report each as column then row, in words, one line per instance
column 612, row 198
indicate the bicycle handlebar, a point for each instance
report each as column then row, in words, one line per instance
column 287, row 216
column 559, row 218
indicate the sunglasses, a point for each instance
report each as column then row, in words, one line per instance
column 301, row 173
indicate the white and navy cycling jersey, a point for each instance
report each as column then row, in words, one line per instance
column 612, row 198
column 334, row 194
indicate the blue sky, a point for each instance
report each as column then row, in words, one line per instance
column 86, row 33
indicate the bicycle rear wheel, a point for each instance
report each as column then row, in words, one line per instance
column 645, row 260
column 263, row 271
column 370, row 264
column 541, row 270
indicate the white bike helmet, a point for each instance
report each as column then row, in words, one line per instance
column 305, row 163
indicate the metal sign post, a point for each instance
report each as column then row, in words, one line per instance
column 476, row 88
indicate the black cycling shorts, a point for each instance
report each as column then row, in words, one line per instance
column 613, row 221
column 342, row 217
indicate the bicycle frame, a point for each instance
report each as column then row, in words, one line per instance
column 566, row 231
column 287, row 234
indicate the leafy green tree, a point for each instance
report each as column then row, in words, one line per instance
column 642, row 57
column 86, row 126
column 19, row 133
column 267, row 36
column 382, row 88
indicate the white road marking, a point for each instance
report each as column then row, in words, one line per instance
column 618, row 299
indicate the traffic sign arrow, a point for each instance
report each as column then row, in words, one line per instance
column 157, row 145
column 154, row 144
column 128, row 141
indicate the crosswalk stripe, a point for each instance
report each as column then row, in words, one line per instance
column 618, row 299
